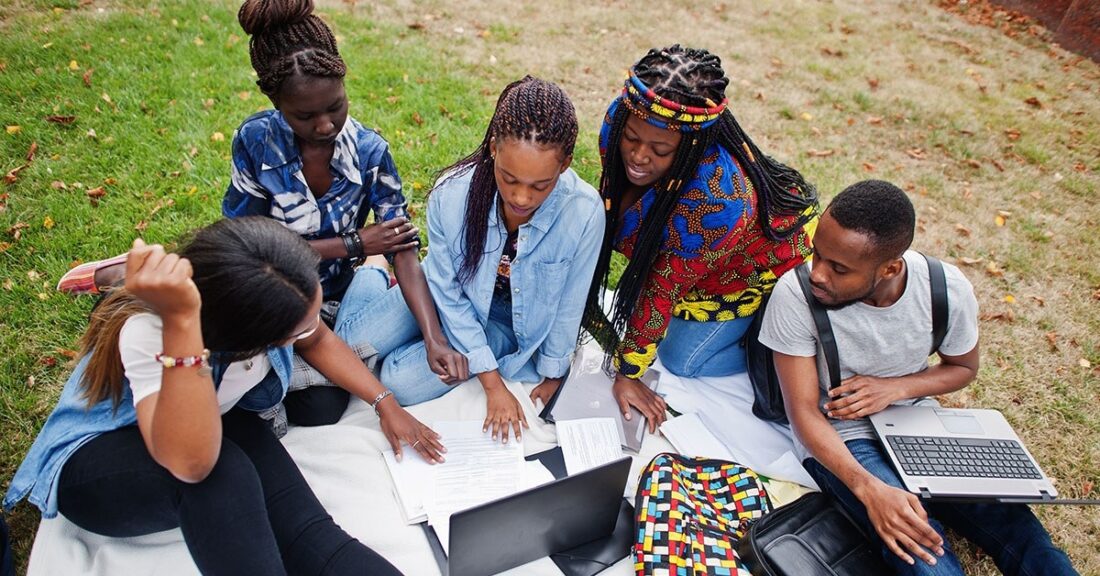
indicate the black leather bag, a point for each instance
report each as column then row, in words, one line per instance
column 808, row 537
column 767, row 397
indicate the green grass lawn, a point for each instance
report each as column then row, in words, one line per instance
column 130, row 108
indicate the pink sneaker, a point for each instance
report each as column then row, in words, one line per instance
column 81, row 279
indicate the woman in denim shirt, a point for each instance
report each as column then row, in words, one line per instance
column 153, row 431
column 513, row 236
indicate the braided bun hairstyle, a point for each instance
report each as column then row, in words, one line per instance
column 287, row 41
column 530, row 110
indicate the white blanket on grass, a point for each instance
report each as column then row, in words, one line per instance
column 343, row 465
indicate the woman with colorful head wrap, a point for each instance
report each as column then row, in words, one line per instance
column 707, row 221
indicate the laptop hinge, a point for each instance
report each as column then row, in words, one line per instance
column 925, row 494
column 1046, row 496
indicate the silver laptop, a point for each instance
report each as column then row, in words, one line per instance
column 586, row 393
column 961, row 453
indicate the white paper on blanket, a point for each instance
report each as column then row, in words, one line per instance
column 691, row 437
column 477, row 469
column 588, row 442
column 412, row 480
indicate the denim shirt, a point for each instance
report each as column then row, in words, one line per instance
column 555, row 258
column 72, row 423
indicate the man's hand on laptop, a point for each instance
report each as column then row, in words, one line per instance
column 901, row 522
column 860, row 396
column 632, row 392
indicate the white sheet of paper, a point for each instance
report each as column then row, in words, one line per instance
column 691, row 437
column 588, row 442
column 412, row 481
column 535, row 474
column 478, row 469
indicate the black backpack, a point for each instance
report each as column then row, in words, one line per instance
column 768, row 396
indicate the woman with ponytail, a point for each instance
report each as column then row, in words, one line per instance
column 513, row 238
column 158, row 425
column 707, row 221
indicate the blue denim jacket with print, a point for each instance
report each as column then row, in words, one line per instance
column 72, row 423
column 556, row 255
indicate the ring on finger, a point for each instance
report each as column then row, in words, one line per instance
column 415, row 443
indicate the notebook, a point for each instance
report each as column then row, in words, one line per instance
column 961, row 453
column 548, row 519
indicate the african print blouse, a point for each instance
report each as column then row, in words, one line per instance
column 715, row 261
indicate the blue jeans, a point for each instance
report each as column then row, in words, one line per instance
column 693, row 348
column 1010, row 533
column 376, row 314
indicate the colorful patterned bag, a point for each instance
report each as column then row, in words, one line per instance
column 690, row 513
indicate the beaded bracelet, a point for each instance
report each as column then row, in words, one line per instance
column 202, row 360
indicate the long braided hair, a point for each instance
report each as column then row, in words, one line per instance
column 288, row 40
column 785, row 201
column 531, row 110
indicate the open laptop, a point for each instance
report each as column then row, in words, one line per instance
column 538, row 522
column 961, row 453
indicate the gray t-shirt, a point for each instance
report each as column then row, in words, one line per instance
column 886, row 342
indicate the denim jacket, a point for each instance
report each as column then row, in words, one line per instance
column 72, row 423
column 555, row 257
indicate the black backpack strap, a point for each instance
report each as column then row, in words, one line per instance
column 938, row 284
column 824, row 327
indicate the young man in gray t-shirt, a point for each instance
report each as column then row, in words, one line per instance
column 879, row 304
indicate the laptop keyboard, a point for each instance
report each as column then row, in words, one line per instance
column 962, row 457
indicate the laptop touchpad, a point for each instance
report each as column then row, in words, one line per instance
column 957, row 423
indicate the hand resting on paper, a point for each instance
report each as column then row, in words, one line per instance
column 503, row 410
column 399, row 426
column 632, row 392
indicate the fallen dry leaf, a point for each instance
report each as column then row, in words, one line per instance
column 1052, row 340
column 1036, row 195
column 993, row 269
column 835, row 52
column 999, row 220
column 47, row 223
column 58, row 185
column 245, row 95
column 88, row 77
column 1006, row 316
column 95, row 194
column 965, row 261
column 973, row 163
column 820, row 153
column 13, row 175
column 1033, row 102
column 962, row 230
column 13, row 129
column 8, row 284
column 872, row 83
column 874, row 120
column 916, row 153
column 59, row 119
column 217, row 137
column 868, row 167
column 1038, row 300
column 1084, row 363
column 417, row 118
column 31, row 151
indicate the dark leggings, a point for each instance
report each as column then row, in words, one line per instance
column 254, row 513
column 316, row 405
